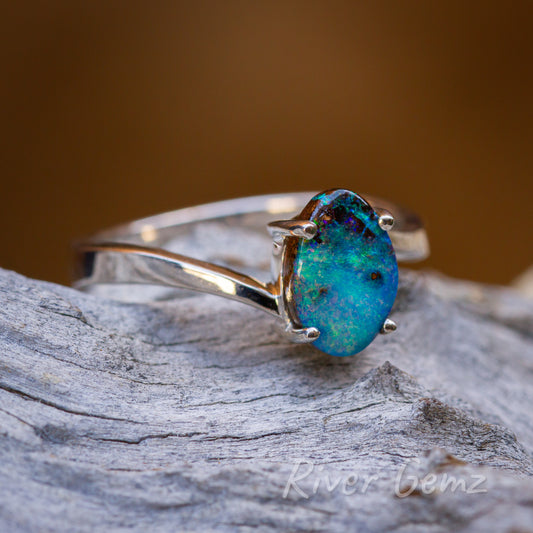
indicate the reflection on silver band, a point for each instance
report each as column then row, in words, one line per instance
column 134, row 253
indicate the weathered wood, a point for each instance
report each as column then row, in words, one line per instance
column 193, row 414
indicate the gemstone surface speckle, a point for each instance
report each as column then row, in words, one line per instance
column 345, row 279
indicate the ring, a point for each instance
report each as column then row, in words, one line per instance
column 334, row 271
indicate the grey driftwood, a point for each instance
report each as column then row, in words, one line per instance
column 191, row 413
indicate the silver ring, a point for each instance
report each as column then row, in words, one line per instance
column 334, row 269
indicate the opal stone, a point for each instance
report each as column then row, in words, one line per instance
column 345, row 279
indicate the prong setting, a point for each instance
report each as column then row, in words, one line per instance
column 280, row 230
column 302, row 335
column 303, row 229
column 386, row 220
column 296, row 266
column 388, row 327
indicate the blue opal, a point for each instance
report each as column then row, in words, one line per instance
column 345, row 279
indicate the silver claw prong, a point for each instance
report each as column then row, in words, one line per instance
column 302, row 335
column 388, row 326
column 386, row 220
column 304, row 229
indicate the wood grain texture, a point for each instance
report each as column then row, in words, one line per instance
column 192, row 413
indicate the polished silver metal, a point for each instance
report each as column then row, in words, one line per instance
column 135, row 252
column 386, row 220
column 292, row 228
column 388, row 326
column 302, row 335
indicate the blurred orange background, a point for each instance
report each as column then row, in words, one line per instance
column 117, row 110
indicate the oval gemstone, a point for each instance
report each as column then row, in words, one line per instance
column 345, row 279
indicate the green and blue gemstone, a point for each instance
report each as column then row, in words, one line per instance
column 345, row 279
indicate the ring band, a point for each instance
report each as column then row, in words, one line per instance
column 341, row 232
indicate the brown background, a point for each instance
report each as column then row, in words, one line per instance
column 112, row 111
